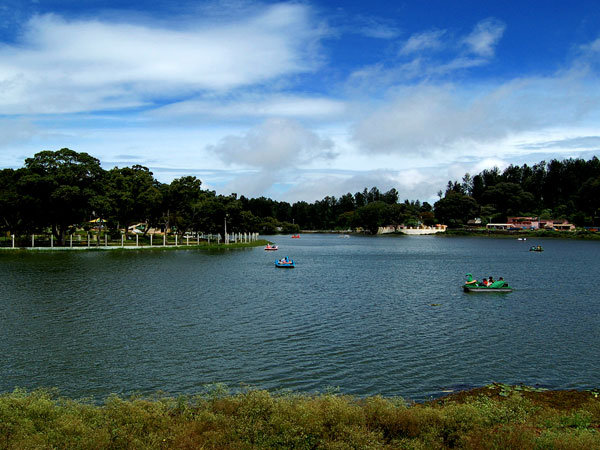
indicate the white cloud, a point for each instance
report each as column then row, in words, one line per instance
column 411, row 184
column 428, row 40
column 421, row 57
column 376, row 28
column 440, row 118
column 420, row 119
column 276, row 144
column 484, row 37
column 258, row 106
column 16, row 131
column 63, row 66
column 254, row 184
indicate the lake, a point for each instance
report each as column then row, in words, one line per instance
column 361, row 315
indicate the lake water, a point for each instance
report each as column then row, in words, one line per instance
column 365, row 315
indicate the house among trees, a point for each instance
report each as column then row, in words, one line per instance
column 558, row 225
column 531, row 223
column 523, row 223
column 474, row 223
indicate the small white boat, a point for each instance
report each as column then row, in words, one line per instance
column 271, row 247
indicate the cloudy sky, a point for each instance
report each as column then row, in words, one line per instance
column 299, row 100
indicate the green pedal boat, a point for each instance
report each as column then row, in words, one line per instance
column 497, row 286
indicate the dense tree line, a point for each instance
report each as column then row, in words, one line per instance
column 568, row 189
column 368, row 210
column 63, row 190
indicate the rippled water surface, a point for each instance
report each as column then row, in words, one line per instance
column 367, row 315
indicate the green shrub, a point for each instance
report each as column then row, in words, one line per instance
column 256, row 419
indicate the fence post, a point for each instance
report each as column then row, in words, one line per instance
column 175, row 239
column 136, row 239
column 122, row 240
column 105, row 240
column 88, row 240
column 150, row 240
column 165, row 239
column 13, row 240
column 51, row 241
column 71, row 241
column 32, row 240
column 188, row 240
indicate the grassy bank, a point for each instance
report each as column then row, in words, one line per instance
column 493, row 417
column 155, row 247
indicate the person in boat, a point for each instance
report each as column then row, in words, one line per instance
column 485, row 282
column 470, row 279
column 490, row 281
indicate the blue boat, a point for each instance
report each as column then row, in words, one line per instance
column 285, row 263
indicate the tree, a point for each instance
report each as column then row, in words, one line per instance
column 179, row 198
column 132, row 195
column 508, row 198
column 477, row 188
column 269, row 225
column 455, row 209
column 300, row 214
column 210, row 214
column 65, row 182
column 16, row 210
column 360, row 198
column 372, row 216
column 346, row 203
column 374, row 195
column 589, row 198
column 399, row 213
column 390, row 197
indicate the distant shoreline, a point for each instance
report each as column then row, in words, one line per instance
column 535, row 234
column 583, row 235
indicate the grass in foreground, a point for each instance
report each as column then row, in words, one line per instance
column 493, row 417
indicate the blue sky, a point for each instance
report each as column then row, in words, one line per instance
column 299, row 100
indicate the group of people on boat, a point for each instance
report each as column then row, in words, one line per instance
column 485, row 283
column 285, row 260
column 536, row 248
column 490, row 281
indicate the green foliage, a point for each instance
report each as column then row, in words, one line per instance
column 455, row 209
column 372, row 216
column 63, row 184
column 60, row 191
column 256, row 419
